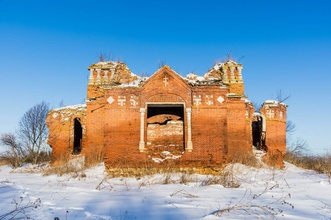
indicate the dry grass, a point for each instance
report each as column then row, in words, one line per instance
column 74, row 167
column 3, row 162
column 225, row 177
column 320, row 164
column 252, row 205
column 15, row 160
column 247, row 159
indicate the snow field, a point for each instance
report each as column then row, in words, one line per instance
column 264, row 193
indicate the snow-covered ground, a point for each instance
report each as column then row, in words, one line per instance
column 264, row 193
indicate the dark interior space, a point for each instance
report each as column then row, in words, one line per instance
column 78, row 135
column 158, row 109
column 257, row 133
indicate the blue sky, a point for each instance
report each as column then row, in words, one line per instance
column 46, row 47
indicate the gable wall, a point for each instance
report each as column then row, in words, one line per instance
column 122, row 123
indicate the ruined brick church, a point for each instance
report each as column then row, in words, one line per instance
column 166, row 120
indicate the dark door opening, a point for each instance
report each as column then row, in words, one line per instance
column 165, row 131
column 78, row 135
column 258, row 134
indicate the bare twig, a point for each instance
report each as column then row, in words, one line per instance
column 249, row 204
column 21, row 208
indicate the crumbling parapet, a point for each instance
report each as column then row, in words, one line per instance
column 110, row 73
column 230, row 74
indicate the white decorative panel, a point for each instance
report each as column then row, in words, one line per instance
column 121, row 99
column 110, row 100
column 220, row 99
column 197, row 100
column 133, row 100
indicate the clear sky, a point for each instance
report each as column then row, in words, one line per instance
column 46, row 47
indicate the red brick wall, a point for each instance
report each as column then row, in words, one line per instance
column 60, row 123
column 276, row 135
column 208, row 135
column 94, row 131
column 237, row 140
column 58, row 139
column 167, row 137
column 237, row 88
column 122, row 137
column 275, row 115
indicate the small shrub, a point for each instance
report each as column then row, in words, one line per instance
column 45, row 156
column 11, row 159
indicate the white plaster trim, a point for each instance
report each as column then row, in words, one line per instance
column 142, row 130
column 189, row 146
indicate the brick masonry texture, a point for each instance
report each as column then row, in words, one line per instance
column 166, row 120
